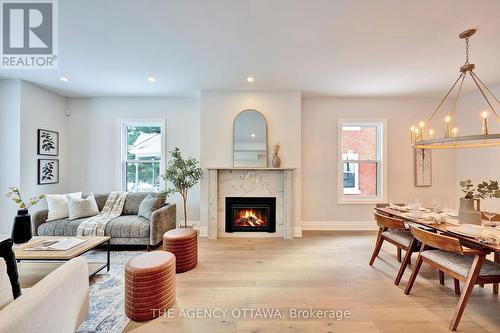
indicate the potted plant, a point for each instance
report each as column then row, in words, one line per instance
column 21, row 229
column 468, row 213
column 182, row 174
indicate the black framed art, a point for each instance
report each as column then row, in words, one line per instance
column 48, row 171
column 48, row 142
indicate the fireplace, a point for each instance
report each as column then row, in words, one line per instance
column 251, row 214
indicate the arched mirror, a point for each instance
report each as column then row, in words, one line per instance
column 250, row 140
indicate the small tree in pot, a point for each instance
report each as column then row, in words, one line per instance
column 181, row 174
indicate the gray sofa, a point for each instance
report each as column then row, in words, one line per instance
column 127, row 229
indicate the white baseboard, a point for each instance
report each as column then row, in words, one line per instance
column 297, row 232
column 339, row 225
column 203, row 231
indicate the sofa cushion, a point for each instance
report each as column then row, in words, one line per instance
column 128, row 226
column 125, row 226
column 79, row 207
column 150, row 203
column 58, row 205
column 132, row 202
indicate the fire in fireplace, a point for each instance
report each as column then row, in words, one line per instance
column 250, row 214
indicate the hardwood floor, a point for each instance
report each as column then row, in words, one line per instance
column 322, row 270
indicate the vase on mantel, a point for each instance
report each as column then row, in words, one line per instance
column 468, row 212
column 21, row 229
column 276, row 158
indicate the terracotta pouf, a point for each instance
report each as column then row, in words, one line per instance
column 183, row 243
column 149, row 285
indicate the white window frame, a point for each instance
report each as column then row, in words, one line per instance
column 121, row 149
column 353, row 157
column 381, row 160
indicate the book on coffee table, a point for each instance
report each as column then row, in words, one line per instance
column 56, row 244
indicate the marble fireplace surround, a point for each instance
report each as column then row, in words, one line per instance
column 251, row 182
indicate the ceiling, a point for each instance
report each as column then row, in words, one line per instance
column 361, row 48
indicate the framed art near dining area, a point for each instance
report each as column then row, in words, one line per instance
column 423, row 167
column 48, row 171
column 48, row 142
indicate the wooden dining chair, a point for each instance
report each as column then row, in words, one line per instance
column 467, row 265
column 394, row 231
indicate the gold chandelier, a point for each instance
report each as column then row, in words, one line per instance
column 420, row 138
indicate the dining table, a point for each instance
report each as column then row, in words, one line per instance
column 447, row 229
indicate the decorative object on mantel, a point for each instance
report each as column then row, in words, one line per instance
column 250, row 140
column 182, row 174
column 420, row 138
column 48, row 142
column 423, row 167
column 468, row 213
column 21, row 229
column 48, row 171
column 276, row 158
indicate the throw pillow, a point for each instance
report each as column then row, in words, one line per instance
column 79, row 207
column 9, row 258
column 5, row 289
column 58, row 205
column 150, row 203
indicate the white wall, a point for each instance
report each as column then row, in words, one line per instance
column 24, row 109
column 477, row 164
column 92, row 145
column 41, row 109
column 282, row 112
column 10, row 133
column 319, row 157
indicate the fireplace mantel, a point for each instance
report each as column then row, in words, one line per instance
column 252, row 182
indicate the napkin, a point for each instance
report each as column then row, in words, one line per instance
column 489, row 236
column 436, row 218
column 396, row 207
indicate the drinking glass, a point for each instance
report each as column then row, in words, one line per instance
column 450, row 207
column 436, row 204
column 490, row 212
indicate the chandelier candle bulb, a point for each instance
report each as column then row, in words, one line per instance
column 485, row 123
column 455, row 131
column 448, row 127
column 431, row 134
column 417, row 138
column 412, row 131
column 422, row 124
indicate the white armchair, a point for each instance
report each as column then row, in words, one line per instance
column 57, row 304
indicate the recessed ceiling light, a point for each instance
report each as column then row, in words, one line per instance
column 151, row 79
column 64, row 79
column 252, row 135
column 250, row 79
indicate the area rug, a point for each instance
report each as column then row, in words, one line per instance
column 106, row 309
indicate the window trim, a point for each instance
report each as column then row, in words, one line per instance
column 121, row 149
column 381, row 124
column 355, row 189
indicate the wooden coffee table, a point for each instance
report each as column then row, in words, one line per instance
column 34, row 265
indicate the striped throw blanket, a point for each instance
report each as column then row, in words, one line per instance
column 96, row 225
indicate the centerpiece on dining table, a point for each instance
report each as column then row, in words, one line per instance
column 470, row 205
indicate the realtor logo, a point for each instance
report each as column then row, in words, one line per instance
column 29, row 34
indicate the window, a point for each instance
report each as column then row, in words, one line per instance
column 142, row 148
column 361, row 166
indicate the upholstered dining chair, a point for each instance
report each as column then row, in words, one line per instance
column 394, row 231
column 467, row 265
